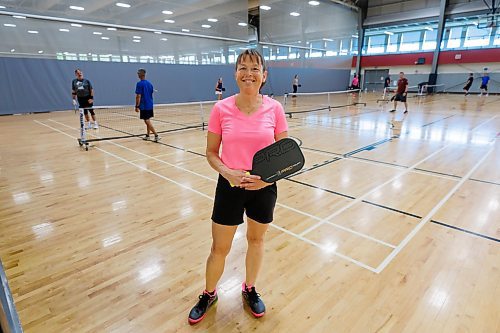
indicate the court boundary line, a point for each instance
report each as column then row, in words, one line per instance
column 465, row 230
column 431, row 213
column 403, row 172
column 357, row 233
column 297, row 236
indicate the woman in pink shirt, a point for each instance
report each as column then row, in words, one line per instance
column 242, row 124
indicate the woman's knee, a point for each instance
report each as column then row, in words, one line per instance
column 221, row 250
column 255, row 240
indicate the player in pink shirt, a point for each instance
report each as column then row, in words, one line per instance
column 242, row 124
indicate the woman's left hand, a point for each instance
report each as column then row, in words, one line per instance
column 253, row 183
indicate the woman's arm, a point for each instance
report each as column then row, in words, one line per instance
column 235, row 177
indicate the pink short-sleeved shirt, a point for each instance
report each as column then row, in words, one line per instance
column 242, row 135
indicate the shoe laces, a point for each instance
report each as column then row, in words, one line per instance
column 253, row 295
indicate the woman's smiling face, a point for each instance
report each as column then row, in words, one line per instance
column 250, row 74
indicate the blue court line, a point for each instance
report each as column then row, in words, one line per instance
column 320, row 188
column 436, row 121
column 484, row 181
column 368, row 147
column 398, row 211
column 434, row 221
column 322, row 151
column 466, row 231
column 315, row 166
column 381, row 162
column 391, row 209
column 438, row 173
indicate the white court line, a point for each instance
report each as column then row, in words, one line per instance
column 131, row 163
column 357, row 233
column 140, row 153
column 354, row 261
column 424, row 220
column 359, row 199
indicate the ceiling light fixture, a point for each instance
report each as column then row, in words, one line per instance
column 158, row 32
column 111, row 29
column 64, row 30
column 32, row 31
column 164, row 39
column 136, row 40
column 76, row 25
column 206, row 26
column 76, row 8
column 185, row 30
column 123, row 5
column 9, row 25
column 328, row 40
column 243, row 24
column 167, row 12
column 169, row 21
column 40, row 51
column 212, row 20
column 265, row 7
column 97, row 33
column 314, row 3
column 389, row 33
column 136, row 37
column 294, row 14
column 105, row 38
column 19, row 17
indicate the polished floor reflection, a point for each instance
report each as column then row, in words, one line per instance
column 393, row 226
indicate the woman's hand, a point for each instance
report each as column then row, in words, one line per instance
column 252, row 182
column 243, row 179
column 235, row 177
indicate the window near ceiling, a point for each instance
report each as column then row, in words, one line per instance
column 477, row 37
column 430, row 40
column 454, row 38
column 376, row 44
column 410, row 41
column 392, row 43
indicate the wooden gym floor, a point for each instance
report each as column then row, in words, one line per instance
column 386, row 230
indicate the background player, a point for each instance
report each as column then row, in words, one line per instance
column 83, row 91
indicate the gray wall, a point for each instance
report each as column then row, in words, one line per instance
column 38, row 85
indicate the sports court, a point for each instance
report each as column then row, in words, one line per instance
column 393, row 225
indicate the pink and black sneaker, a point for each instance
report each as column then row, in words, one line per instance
column 199, row 311
column 252, row 298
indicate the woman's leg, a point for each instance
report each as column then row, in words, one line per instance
column 222, row 238
column 255, row 237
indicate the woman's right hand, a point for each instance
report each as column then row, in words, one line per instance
column 235, row 177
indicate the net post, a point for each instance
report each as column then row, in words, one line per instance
column 202, row 118
column 83, row 135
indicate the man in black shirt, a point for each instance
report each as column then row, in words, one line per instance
column 468, row 84
column 83, row 91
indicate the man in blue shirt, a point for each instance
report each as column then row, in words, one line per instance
column 144, row 103
column 484, row 84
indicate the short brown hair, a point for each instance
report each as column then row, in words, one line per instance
column 253, row 54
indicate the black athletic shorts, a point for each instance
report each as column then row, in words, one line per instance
column 84, row 104
column 146, row 114
column 467, row 86
column 231, row 202
column 484, row 86
column 400, row 98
